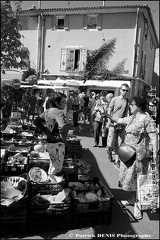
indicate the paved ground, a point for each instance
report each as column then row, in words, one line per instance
column 123, row 225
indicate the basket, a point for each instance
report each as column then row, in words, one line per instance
column 47, row 187
column 14, row 217
column 72, row 149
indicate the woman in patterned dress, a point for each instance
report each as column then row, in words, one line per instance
column 139, row 125
column 55, row 129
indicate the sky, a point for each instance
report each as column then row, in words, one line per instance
column 154, row 6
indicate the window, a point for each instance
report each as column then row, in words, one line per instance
column 73, row 59
column 92, row 22
column 60, row 23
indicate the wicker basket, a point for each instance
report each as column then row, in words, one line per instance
column 47, row 187
column 14, row 217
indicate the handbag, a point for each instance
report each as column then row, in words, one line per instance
column 118, row 128
column 125, row 152
column 148, row 188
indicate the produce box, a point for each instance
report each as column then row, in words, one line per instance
column 15, row 163
column 14, row 216
column 94, row 212
column 49, row 211
column 48, row 223
column 42, row 163
column 73, row 149
column 90, row 196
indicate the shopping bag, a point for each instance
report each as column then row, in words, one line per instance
column 148, row 191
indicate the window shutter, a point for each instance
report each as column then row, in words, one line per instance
column 85, row 21
column 24, row 23
column 83, row 55
column 63, row 59
column 66, row 19
column 53, row 22
column 99, row 22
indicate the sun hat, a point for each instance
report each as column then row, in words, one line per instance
column 109, row 96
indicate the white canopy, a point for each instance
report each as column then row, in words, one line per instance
column 106, row 83
column 46, row 87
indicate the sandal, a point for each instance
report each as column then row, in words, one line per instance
column 137, row 212
column 126, row 203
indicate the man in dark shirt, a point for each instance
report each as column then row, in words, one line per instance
column 85, row 109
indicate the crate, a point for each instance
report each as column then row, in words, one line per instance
column 16, row 169
column 72, row 149
column 47, row 187
column 42, row 163
column 85, row 220
column 14, row 217
column 98, row 206
column 88, row 214
column 48, row 223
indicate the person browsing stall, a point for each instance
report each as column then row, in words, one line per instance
column 139, row 127
column 52, row 123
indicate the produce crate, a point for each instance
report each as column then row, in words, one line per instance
column 102, row 205
column 14, row 217
column 70, row 168
column 85, row 220
column 48, row 223
column 42, row 163
column 17, row 169
column 73, row 149
column 88, row 214
column 48, row 187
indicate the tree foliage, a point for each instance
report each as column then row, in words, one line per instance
column 12, row 53
column 97, row 61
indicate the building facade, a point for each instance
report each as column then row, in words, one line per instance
column 58, row 39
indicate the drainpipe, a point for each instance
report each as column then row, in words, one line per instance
column 42, row 45
column 136, row 42
column 39, row 39
column 135, row 54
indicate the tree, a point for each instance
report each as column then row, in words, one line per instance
column 97, row 60
column 11, row 46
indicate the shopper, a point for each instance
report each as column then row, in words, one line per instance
column 69, row 111
column 76, row 110
column 118, row 108
column 85, row 108
column 100, row 111
column 109, row 97
column 91, row 105
column 138, row 126
column 55, row 129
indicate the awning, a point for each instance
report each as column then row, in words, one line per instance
column 45, row 87
column 106, row 83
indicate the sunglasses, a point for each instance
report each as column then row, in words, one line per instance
column 124, row 90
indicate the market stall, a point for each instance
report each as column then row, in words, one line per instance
column 32, row 200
